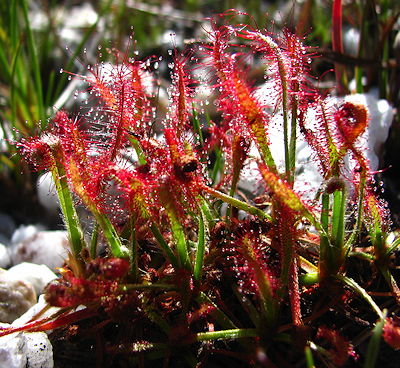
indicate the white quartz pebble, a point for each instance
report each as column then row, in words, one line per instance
column 26, row 350
column 12, row 350
column 43, row 247
column 16, row 297
column 39, row 351
column 38, row 275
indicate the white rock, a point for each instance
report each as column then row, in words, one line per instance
column 24, row 232
column 26, row 350
column 47, row 193
column 12, row 351
column 80, row 16
column 5, row 259
column 39, row 351
column 16, row 297
column 38, row 275
column 43, row 247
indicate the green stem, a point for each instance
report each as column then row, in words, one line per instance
column 362, row 292
column 221, row 318
column 71, row 218
column 358, row 225
column 236, row 333
column 309, row 279
column 394, row 245
column 338, row 217
column 164, row 245
column 93, row 241
column 362, row 255
column 197, row 126
column 238, row 204
column 218, row 165
column 200, row 248
column 139, row 151
column 325, row 246
column 117, row 248
column 180, row 240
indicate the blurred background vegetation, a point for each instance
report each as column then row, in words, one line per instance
column 40, row 38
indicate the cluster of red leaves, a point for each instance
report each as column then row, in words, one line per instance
column 104, row 276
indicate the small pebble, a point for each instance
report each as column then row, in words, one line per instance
column 24, row 232
column 26, row 350
column 16, row 297
column 12, row 350
column 5, row 259
column 43, row 247
column 37, row 275
column 39, row 351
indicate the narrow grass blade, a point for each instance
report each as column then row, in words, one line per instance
column 362, row 292
column 34, row 60
column 374, row 343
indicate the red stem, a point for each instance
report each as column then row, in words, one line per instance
column 294, row 293
column 50, row 323
column 337, row 44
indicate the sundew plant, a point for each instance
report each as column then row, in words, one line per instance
column 180, row 266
